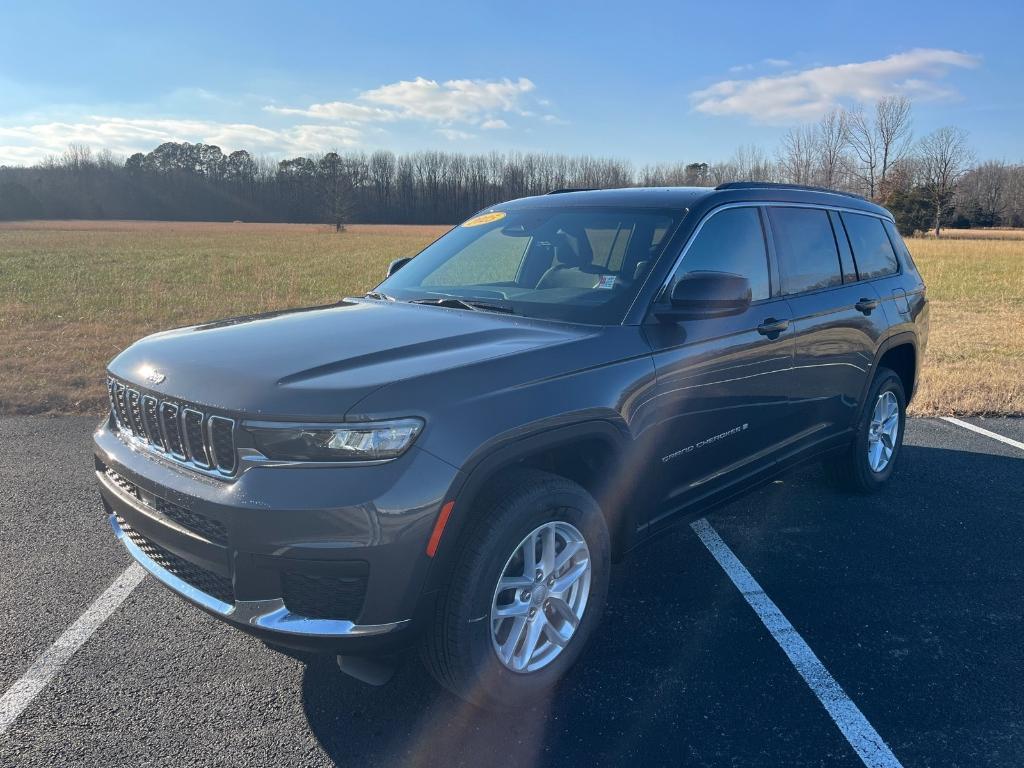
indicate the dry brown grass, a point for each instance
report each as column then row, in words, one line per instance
column 975, row 359
column 75, row 293
column 981, row 233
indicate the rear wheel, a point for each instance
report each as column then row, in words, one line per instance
column 527, row 591
column 870, row 460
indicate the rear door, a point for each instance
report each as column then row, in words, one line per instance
column 720, row 404
column 837, row 318
column 876, row 262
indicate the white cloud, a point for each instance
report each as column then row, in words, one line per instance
column 776, row 63
column 30, row 143
column 344, row 111
column 808, row 94
column 453, row 101
column 452, row 107
column 453, row 134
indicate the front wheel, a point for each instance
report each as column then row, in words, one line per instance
column 527, row 591
column 870, row 460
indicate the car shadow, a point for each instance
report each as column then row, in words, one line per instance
column 677, row 675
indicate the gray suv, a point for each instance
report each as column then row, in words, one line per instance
column 453, row 461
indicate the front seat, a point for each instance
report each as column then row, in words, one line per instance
column 572, row 267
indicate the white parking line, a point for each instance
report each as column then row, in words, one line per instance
column 985, row 432
column 29, row 685
column 864, row 739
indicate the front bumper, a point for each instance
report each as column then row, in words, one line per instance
column 233, row 547
column 269, row 615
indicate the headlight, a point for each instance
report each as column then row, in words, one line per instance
column 348, row 442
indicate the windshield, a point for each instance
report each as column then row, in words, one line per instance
column 580, row 265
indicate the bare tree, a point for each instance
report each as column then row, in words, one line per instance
column 750, row 163
column 863, row 139
column 893, row 125
column 879, row 140
column 833, row 139
column 984, row 193
column 798, row 154
column 945, row 158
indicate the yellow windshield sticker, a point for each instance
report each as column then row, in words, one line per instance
column 484, row 218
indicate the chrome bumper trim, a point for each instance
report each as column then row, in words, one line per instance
column 270, row 615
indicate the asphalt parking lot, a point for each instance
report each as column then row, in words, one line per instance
column 913, row 600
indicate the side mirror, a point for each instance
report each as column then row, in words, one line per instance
column 706, row 294
column 397, row 264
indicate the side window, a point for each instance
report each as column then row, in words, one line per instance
column 871, row 247
column 806, row 249
column 731, row 241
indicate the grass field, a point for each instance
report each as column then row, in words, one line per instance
column 73, row 294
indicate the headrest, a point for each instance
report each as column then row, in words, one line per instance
column 567, row 251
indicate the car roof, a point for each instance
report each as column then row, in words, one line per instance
column 692, row 197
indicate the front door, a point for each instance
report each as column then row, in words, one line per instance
column 721, row 399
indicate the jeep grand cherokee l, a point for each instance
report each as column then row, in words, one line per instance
column 453, row 460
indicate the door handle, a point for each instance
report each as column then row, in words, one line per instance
column 772, row 327
column 866, row 305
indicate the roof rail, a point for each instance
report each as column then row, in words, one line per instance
column 775, row 185
column 571, row 189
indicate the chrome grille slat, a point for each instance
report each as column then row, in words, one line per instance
column 150, row 421
column 187, row 435
column 195, row 437
column 135, row 413
column 171, row 417
column 220, row 436
column 121, row 406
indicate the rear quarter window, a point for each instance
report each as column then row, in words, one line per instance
column 897, row 242
column 871, row 247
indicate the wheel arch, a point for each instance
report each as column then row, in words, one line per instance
column 899, row 352
column 576, row 451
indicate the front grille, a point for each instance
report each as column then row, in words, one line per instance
column 323, row 597
column 222, row 443
column 169, row 413
column 183, row 433
column 197, row 576
column 150, row 421
column 195, row 444
column 211, row 530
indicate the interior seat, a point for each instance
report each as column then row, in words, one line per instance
column 573, row 267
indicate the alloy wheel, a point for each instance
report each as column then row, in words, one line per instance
column 883, row 431
column 540, row 597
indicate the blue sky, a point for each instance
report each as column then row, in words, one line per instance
column 641, row 81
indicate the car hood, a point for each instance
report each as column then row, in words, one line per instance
column 317, row 363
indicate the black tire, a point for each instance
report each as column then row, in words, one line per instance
column 850, row 469
column 458, row 649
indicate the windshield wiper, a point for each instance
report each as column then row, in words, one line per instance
column 379, row 295
column 474, row 304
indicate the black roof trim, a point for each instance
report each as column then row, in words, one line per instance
column 775, row 185
column 571, row 189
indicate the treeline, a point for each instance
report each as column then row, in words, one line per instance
column 199, row 182
column 928, row 183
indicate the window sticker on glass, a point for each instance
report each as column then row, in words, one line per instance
column 484, row 218
column 606, row 282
